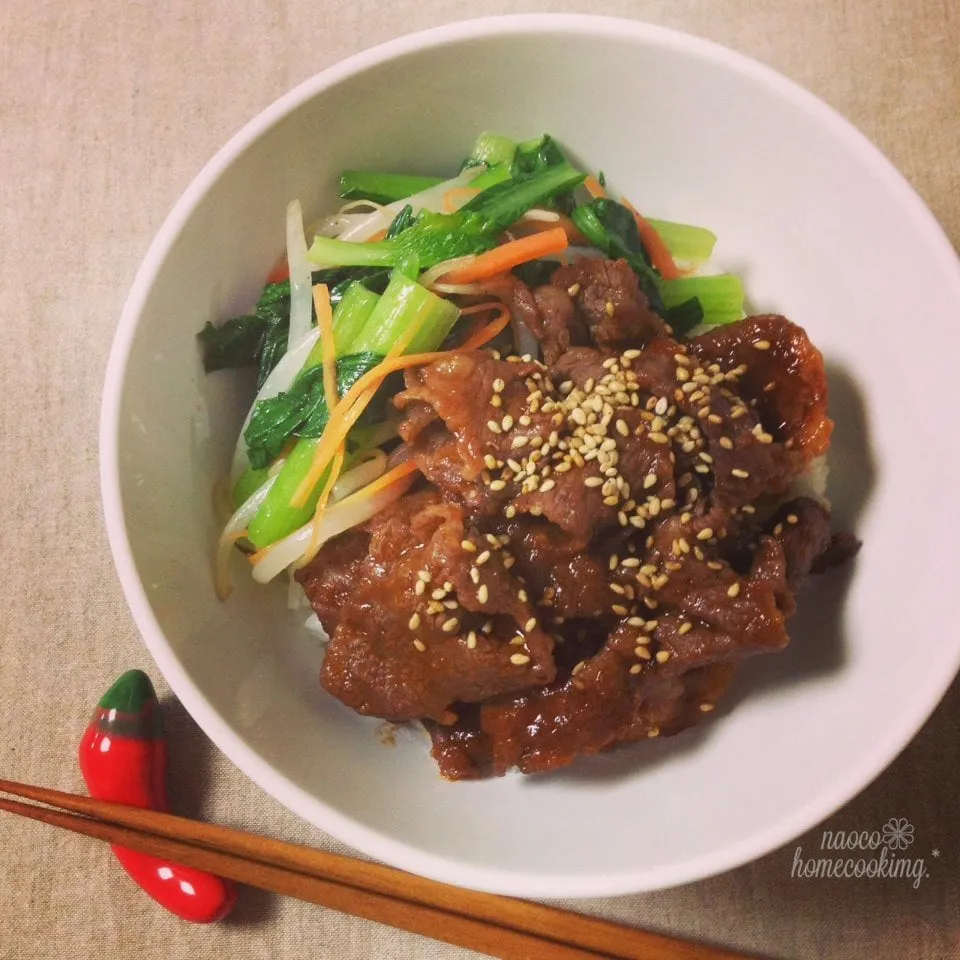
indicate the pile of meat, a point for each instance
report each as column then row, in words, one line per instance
column 599, row 538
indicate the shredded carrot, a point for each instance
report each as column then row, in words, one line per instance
column 401, row 470
column 594, row 187
column 660, row 256
column 324, row 451
column 358, row 397
column 377, row 237
column 509, row 255
column 487, row 333
column 321, row 300
column 456, row 197
column 280, row 272
column 322, row 502
column 524, row 227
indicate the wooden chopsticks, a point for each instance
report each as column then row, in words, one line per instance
column 498, row 926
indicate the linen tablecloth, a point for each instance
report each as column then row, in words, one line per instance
column 107, row 110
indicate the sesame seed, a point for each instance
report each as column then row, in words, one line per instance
column 518, row 442
column 705, row 534
column 414, row 621
column 593, row 482
column 495, row 401
column 449, row 626
column 650, row 626
column 474, row 574
column 617, row 588
column 573, row 289
column 685, row 627
column 705, row 457
column 510, row 512
column 761, row 344
column 653, row 732
column 741, row 474
column 657, row 437
column 518, row 641
column 438, row 594
column 519, row 659
column 471, row 639
column 642, row 652
column 733, row 590
column 631, row 562
column 792, row 518
column 714, row 418
column 706, row 707
column 610, row 308
column 483, row 594
column 663, row 656
column 578, row 667
column 531, row 624
column 636, row 668
column 419, row 644
column 497, row 485
column 682, row 374
column 547, row 486
column 468, row 545
column 660, row 408
column 748, row 508
column 619, row 609
column 450, row 604
column 493, row 426
column 726, row 443
column 622, row 428
column 424, row 576
column 419, row 587
column 498, row 385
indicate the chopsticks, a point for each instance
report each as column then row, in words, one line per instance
column 498, row 926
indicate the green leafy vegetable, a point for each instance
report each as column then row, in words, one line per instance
column 402, row 221
column 685, row 316
column 721, row 296
column 300, row 410
column 235, row 343
column 436, row 237
column 611, row 228
column 693, row 244
column 382, row 187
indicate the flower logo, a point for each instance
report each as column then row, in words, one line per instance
column 898, row 833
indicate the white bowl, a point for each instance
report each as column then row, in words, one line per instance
column 821, row 227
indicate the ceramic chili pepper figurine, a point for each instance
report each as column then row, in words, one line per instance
column 123, row 758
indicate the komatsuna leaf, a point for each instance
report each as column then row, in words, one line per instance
column 300, row 411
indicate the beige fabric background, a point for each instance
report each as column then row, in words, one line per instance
column 107, row 110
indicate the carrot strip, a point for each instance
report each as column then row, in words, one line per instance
column 377, row 237
column 524, row 228
column 324, row 451
column 660, row 256
column 491, row 330
column 594, row 187
column 280, row 272
column 321, row 300
column 456, row 197
column 509, row 255
column 324, row 499
column 398, row 472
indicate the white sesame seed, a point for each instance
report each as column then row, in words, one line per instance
column 619, row 609
column 636, row 668
column 706, row 707
column 531, row 624
column 449, row 626
column 740, row 474
column 685, row 627
column 761, row 344
column 414, row 621
column 519, row 659
column 419, row 644
column 663, row 656
column 733, row 590
column 573, row 289
column 610, row 308
column 493, row 426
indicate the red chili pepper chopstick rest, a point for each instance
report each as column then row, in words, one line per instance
column 123, row 758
